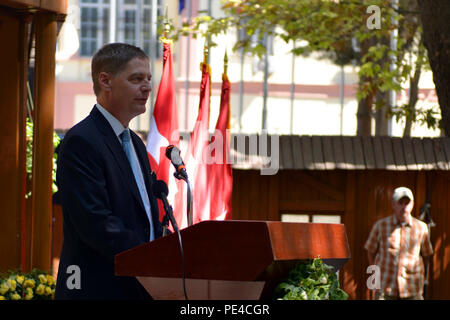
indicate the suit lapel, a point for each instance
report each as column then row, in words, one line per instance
column 115, row 147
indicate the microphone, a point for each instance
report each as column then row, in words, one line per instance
column 173, row 153
column 161, row 191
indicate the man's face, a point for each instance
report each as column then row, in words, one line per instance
column 130, row 89
column 402, row 208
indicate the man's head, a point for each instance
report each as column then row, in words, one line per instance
column 121, row 78
column 402, row 203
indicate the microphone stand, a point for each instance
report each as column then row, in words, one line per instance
column 165, row 224
column 182, row 175
column 169, row 216
column 189, row 204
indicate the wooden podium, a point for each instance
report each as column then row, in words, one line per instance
column 231, row 260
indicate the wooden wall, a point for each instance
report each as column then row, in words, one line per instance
column 361, row 198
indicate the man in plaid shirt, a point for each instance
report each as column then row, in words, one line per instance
column 400, row 246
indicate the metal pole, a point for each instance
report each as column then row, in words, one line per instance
column 241, row 91
column 138, row 26
column 265, row 84
column 138, row 41
column 112, row 21
column 186, row 82
column 208, row 59
column 292, row 89
column 153, row 47
column 393, row 45
column 341, row 98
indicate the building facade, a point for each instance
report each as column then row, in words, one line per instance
column 305, row 96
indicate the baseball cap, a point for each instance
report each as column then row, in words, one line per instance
column 401, row 192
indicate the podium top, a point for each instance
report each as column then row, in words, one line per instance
column 235, row 250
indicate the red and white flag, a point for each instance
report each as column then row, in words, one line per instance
column 220, row 173
column 195, row 159
column 164, row 131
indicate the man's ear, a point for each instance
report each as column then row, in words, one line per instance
column 104, row 80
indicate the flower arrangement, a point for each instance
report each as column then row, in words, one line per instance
column 312, row 280
column 35, row 285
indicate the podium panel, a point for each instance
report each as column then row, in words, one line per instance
column 201, row 289
column 234, row 260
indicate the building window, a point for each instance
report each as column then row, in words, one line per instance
column 94, row 26
column 133, row 24
column 311, row 218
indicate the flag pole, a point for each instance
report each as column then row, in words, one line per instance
column 153, row 48
column 166, row 30
column 225, row 62
column 186, row 82
column 206, row 51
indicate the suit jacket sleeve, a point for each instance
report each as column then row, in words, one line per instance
column 84, row 192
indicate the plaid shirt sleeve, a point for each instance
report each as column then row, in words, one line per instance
column 372, row 242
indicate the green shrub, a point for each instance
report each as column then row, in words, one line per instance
column 311, row 280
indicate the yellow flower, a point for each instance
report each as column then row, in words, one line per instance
column 40, row 289
column 20, row 279
column 15, row 296
column 4, row 288
column 48, row 291
column 42, row 278
column 29, row 295
column 12, row 284
column 29, row 283
column 50, row 280
column 2, row 298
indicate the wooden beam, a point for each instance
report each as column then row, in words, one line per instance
column 25, row 228
column 20, row 4
column 57, row 6
column 43, row 139
column 11, row 140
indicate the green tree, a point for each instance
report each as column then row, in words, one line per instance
column 435, row 17
column 345, row 31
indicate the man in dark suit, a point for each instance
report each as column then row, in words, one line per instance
column 105, row 181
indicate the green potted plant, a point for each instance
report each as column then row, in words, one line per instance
column 310, row 280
